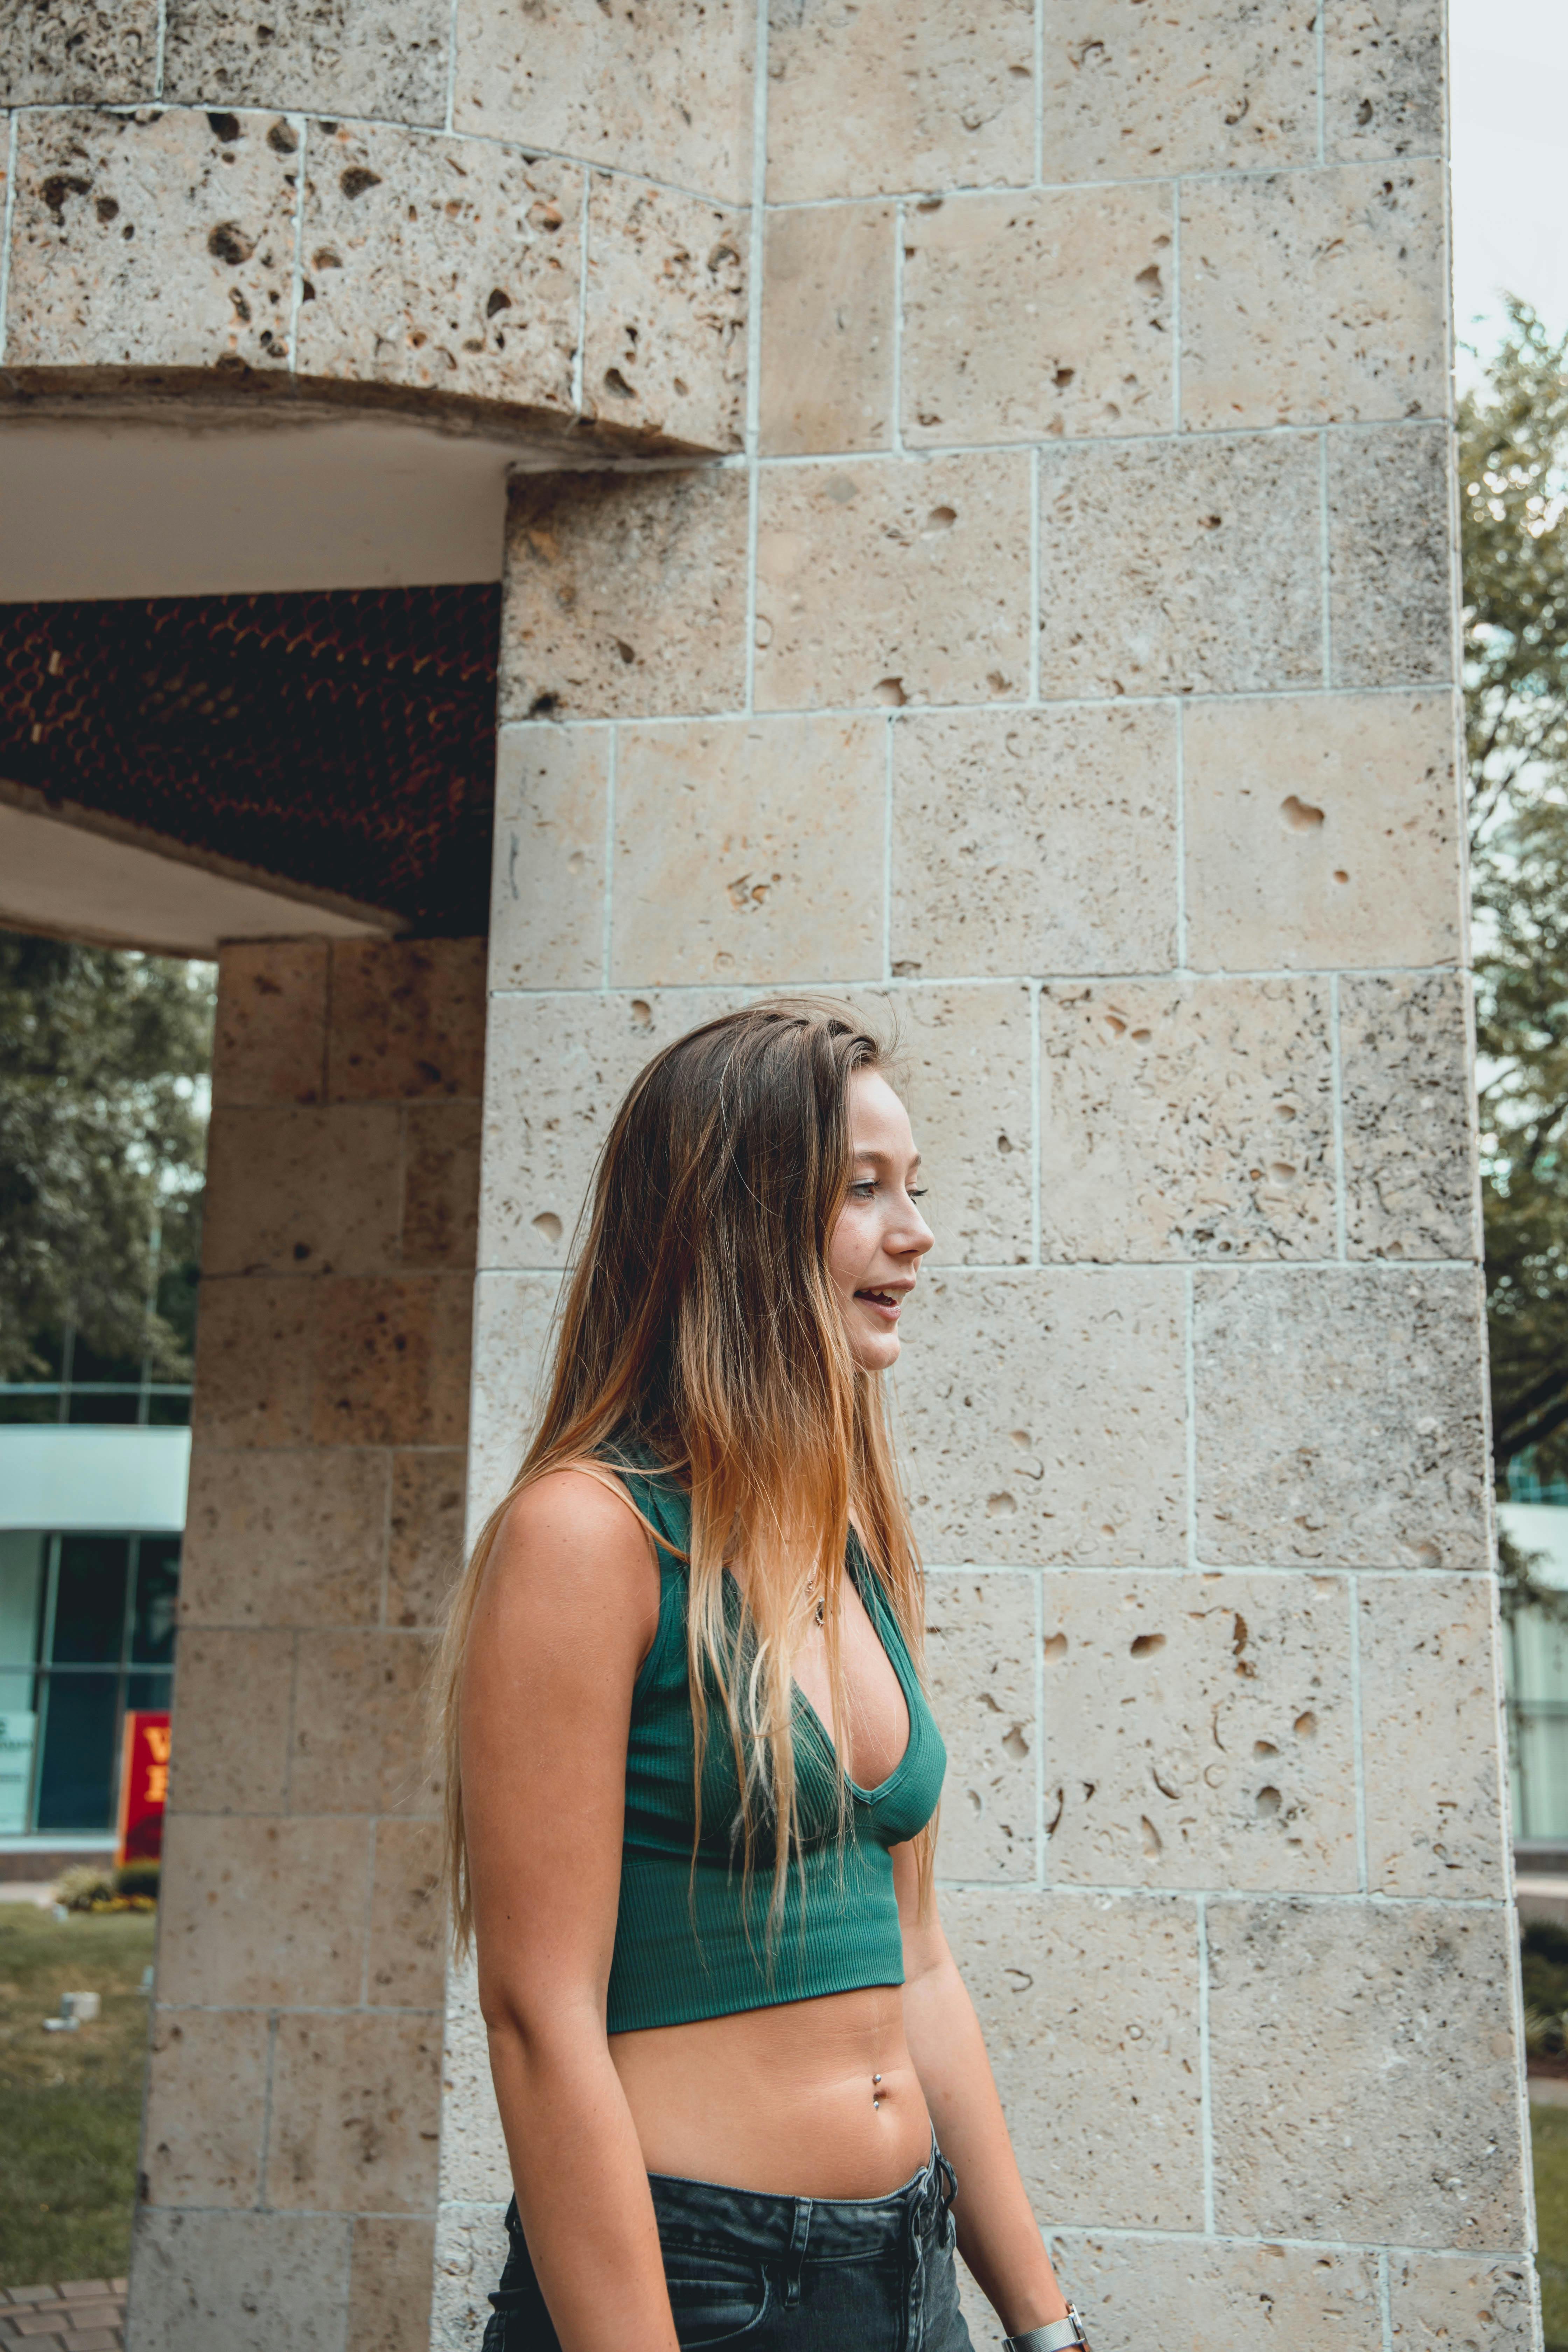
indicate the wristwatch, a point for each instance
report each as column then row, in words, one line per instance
column 1059, row 2336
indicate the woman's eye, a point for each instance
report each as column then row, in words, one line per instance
column 864, row 1190
column 918, row 1192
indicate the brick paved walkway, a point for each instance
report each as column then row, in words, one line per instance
column 82, row 2315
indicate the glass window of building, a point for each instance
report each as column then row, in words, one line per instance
column 87, row 1630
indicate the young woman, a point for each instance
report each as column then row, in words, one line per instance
column 693, row 1773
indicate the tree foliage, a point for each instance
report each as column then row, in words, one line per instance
column 103, row 1061
column 1514, row 480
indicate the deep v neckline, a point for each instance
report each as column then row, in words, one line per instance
column 873, row 1614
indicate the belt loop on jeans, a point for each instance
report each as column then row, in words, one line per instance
column 949, row 2182
column 799, row 2231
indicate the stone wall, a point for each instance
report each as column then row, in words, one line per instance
column 290, row 2149
column 451, row 211
column 1066, row 667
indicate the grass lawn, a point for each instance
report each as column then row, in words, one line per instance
column 72, row 2102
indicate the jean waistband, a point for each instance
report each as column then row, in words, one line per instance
column 796, row 2229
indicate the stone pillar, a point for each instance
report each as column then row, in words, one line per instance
column 1068, row 667
column 289, row 2162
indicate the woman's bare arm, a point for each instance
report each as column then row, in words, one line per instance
column 997, row 2233
column 565, row 1616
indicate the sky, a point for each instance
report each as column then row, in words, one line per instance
column 1510, row 102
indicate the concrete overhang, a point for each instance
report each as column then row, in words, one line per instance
column 203, row 503
column 77, row 875
column 197, row 506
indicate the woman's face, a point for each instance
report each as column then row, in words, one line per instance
column 880, row 1236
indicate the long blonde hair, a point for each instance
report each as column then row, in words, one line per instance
column 700, row 1325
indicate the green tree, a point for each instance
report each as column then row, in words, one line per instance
column 103, row 1063
column 1513, row 477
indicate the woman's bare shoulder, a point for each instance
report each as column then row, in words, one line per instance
column 576, row 1525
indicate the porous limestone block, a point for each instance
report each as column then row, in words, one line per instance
column 302, row 1190
column 827, row 330
column 512, row 1329
column 1089, row 2009
column 981, row 1655
column 439, row 1226
column 1130, row 92
column 358, row 1738
column 389, row 2295
column 558, row 1068
column 250, row 2281
column 1409, row 1143
column 407, row 1020
column 962, row 1059
column 158, row 239
column 547, row 875
column 1031, row 315
column 254, row 1912
column 254, row 1337
column 664, row 345
column 1033, row 841
column 313, row 57
column 471, row 2247
column 269, row 1041
column 440, row 264
column 1431, row 1735
column 899, row 94
column 1185, row 567
column 206, row 2100
column 1321, row 831
column 1163, row 2295
column 81, row 53
column 896, row 579
column 233, row 1693
column 1384, row 78
column 663, row 90
column 1042, row 1416
column 1314, row 297
column 424, row 1533
column 1391, row 564
column 355, row 2112
column 1186, row 1118
column 1448, row 2303
column 749, row 851
column 283, row 1538
column 390, row 1360
column 475, row 2168
column 625, row 595
column 1340, row 1418
column 1363, row 2073
column 1199, row 1732
column 408, row 1934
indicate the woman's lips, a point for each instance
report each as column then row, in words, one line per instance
column 885, row 1303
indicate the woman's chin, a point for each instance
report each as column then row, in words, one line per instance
column 876, row 1351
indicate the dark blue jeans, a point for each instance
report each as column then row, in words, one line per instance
column 781, row 2274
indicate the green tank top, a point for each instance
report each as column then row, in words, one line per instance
column 692, row 1939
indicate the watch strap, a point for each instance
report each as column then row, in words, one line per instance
column 1059, row 2336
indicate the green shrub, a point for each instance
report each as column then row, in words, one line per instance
column 1543, row 1968
column 92, row 1887
column 85, row 1887
column 1544, row 1972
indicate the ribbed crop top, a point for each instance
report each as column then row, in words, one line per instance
column 692, row 1938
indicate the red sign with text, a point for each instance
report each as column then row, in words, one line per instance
column 143, row 1785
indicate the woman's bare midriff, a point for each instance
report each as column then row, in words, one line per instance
column 813, row 2098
